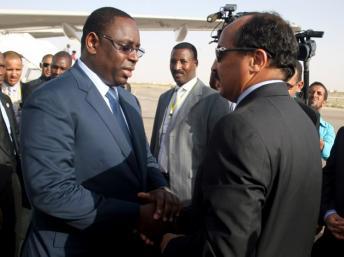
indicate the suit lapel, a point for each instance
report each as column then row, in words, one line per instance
column 138, row 137
column 7, row 106
column 193, row 97
column 164, row 109
column 272, row 89
column 97, row 102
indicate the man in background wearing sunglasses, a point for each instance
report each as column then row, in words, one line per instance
column 45, row 65
column 257, row 192
column 87, row 164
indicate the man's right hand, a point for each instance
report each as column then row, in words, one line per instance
column 335, row 224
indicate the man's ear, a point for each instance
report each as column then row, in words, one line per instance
column 92, row 42
column 259, row 60
column 300, row 85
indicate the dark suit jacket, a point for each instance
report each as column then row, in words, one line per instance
column 312, row 114
column 258, row 190
column 82, row 177
column 333, row 177
column 8, row 159
column 29, row 87
column 188, row 134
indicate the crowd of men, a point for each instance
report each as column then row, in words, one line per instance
column 233, row 169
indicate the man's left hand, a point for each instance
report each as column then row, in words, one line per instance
column 167, row 204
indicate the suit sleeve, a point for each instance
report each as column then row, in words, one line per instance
column 155, row 177
column 230, row 192
column 48, row 136
column 219, row 108
column 155, row 133
column 330, row 173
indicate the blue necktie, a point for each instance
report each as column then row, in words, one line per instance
column 116, row 110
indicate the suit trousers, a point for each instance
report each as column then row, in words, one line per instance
column 7, row 229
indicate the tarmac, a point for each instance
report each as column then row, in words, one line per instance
column 148, row 95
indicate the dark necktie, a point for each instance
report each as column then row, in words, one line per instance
column 116, row 110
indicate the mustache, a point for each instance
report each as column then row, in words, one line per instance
column 177, row 72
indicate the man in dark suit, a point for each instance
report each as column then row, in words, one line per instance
column 8, row 167
column 331, row 244
column 86, row 161
column 45, row 65
column 184, row 120
column 257, row 192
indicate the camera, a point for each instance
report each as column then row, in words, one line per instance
column 307, row 46
column 226, row 15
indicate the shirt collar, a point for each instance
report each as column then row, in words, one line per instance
column 322, row 122
column 189, row 85
column 13, row 88
column 253, row 88
column 100, row 85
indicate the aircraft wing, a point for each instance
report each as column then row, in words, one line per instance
column 42, row 24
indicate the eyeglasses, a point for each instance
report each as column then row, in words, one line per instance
column 126, row 49
column 220, row 51
column 46, row 65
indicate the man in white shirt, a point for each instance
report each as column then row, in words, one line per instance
column 184, row 120
column 12, row 85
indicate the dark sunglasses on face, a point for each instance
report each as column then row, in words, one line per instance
column 220, row 51
column 46, row 65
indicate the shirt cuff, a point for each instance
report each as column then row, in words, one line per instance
column 328, row 213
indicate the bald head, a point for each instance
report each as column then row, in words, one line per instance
column 14, row 67
column 2, row 68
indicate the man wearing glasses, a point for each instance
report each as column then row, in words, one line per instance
column 45, row 65
column 86, row 160
column 258, row 190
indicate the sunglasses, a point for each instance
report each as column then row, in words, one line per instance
column 46, row 65
column 220, row 51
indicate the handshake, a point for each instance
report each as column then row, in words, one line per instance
column 158, row 216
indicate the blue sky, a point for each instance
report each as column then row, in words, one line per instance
column 328, row 16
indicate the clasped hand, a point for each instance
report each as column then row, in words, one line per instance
column 160, row 208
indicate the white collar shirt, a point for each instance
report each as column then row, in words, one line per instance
column 249, row 90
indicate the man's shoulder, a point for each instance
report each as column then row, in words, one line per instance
column 33, row 82
column 5, row 97
column 325, row 124
column 167, row 93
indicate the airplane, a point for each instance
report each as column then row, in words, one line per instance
column 23, row 31
column 42, row 24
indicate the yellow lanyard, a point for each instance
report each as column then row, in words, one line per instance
column 175, row 102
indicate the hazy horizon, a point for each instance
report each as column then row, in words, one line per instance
column 325, row 66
